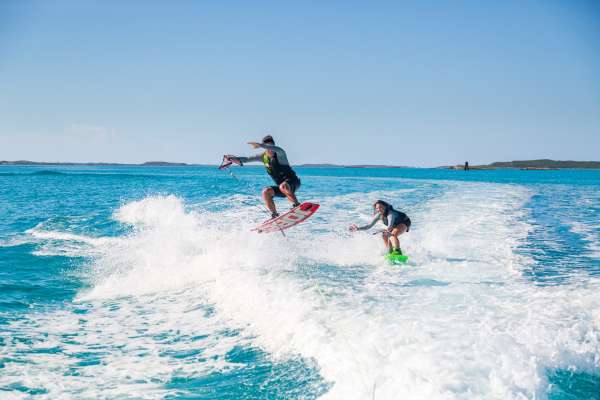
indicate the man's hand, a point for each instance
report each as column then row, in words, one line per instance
column 353, row 228
column 232, row 159
column 254, row 145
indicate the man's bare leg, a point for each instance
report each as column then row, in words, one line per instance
column 287, row 191
column 268, row 194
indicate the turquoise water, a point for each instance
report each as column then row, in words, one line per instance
column 138, row 282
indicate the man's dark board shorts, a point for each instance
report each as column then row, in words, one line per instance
column 294, row 184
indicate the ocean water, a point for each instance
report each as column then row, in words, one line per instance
column 146, row 283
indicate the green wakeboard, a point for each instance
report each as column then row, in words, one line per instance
column 395, row 258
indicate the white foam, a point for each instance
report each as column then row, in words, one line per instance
column 115, row 349
column 461, row 323
column 58, row 243
column 590, row 233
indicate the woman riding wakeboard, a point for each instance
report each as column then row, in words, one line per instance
column 396, row 222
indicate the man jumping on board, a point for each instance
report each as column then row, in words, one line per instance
column 277, row 165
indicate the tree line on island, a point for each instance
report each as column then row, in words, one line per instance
column 541, row 164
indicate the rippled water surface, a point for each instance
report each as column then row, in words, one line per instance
column 144, row 283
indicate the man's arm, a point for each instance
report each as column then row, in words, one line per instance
column 243, row 160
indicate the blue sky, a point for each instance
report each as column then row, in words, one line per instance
column 405, row 83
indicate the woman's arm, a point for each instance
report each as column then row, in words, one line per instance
column 393, row 221
column 370, row 225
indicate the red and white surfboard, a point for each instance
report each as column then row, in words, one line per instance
column 289, row 219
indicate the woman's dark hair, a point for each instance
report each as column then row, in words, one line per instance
column 386, row 207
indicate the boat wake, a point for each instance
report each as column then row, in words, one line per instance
column 188, row 289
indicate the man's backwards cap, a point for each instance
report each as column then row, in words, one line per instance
column 268, row 140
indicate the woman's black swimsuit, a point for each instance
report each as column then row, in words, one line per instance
column 392, row 220
column 396, row 218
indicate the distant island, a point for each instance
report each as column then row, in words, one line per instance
column 101, row 164
column 352, row 166
column 543, row 164
column 172, row 164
